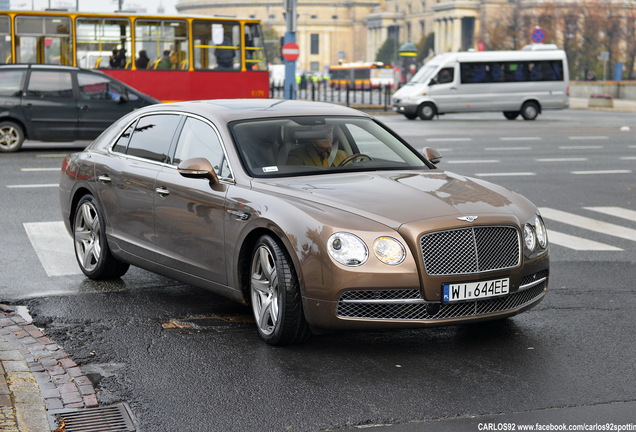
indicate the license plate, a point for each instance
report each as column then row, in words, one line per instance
column 475, row 290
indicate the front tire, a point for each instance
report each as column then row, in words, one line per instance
column 530, row 110
column 11, row 137
column 275, row 295
column 91, row 246
column 426, row 111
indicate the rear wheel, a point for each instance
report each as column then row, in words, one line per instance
column 11, row 137
column 91, row 247
column 511, row 115
column 275, row 295
column 426, row 111
column 530, row 110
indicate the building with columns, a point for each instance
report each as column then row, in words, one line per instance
column 354, row 30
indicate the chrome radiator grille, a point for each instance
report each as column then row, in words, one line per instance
column 387, row 306
column 470, row 250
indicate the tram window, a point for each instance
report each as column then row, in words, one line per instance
column 217, row 46
column 44, row 40
column 5, row 40
column 165, row 43
column 254, row 48
column 99, row 38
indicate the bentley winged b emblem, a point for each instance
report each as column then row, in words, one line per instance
column 468, row 218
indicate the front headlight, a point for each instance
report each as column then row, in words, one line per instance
column 529, row 237
column 542, row 233
column 389, row 250
column 347, row 249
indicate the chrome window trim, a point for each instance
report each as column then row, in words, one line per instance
column 109, row 147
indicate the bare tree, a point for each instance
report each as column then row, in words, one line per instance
column 630, row 41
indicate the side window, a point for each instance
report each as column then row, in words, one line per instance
column 199, row 139
column 122, row 142
column 96, row 87
column 446, row 75
column 152, row 136
column 50, row 85
column 11, row 82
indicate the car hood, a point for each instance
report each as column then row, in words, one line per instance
column 395, row 198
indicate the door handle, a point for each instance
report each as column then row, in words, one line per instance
column 84, row 107
column 162, row 191
column 104, row 178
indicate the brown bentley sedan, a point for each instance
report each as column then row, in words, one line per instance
column 316, row 215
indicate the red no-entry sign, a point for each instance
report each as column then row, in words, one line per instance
column 290, row 51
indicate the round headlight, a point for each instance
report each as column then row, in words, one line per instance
column 347, row 249
column 529, row 237
column 389, row 250
column 542, row 234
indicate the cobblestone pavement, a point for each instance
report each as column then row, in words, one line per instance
column 36, row 376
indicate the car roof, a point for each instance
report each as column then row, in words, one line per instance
column 240, row 109
column 40, row 66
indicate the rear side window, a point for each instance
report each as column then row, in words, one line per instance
column 50, row 85
column 152, row 136
column 11, row 82
column 511, row 71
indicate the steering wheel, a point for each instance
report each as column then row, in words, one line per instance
column 358, row 157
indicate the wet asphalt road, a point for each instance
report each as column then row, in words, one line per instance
column 187, row 360
column 573, row 350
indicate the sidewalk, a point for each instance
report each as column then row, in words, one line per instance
column 36, row 376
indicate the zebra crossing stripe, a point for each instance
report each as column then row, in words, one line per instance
column 54, row 247
column 578, row 243
column 589, row 223
column 615, row 211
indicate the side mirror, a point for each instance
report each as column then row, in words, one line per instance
column 433, row 81
column 122, row 99
column 198, row 168
column 434, row 156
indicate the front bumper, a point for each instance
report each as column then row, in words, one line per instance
column 404, row 308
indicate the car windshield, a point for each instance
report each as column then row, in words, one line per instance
column 277, row 147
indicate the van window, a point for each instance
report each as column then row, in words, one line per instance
column 50, row 85
column 11, row 82
column 511, row 71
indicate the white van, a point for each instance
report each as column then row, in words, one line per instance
column 522, row 82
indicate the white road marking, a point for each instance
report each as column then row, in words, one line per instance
column 54, row 247
column 520, row 138
column 449, row 139
column 510, row 174
column 580, row 147
column 39, row 169
column 562, row 160
column 601, row 172
column 578, row 243
column 507, row 148
column 589, row 223
column 620, row 212
column 588, row 137
column 26, row 186
column 475, row 161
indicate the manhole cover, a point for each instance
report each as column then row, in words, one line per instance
column 113, row 418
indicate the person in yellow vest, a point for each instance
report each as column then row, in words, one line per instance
column 321, row 151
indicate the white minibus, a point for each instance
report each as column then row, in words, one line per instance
column 524, row 82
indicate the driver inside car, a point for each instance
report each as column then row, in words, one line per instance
column 321, row 151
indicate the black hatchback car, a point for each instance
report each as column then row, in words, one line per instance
column 60, row 103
